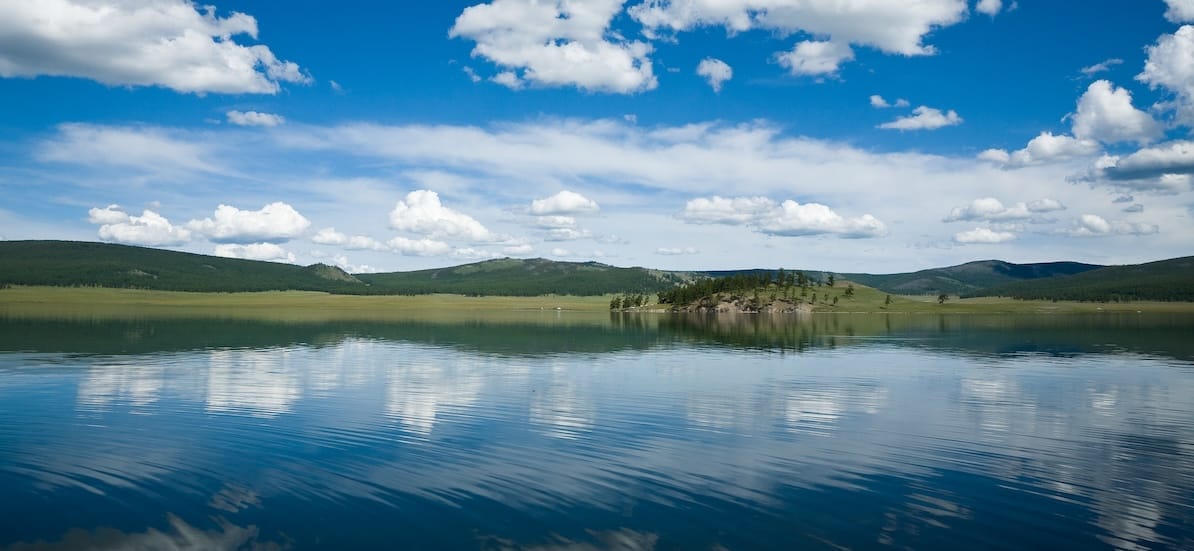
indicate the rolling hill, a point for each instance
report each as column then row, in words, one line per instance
column 967, row 278
column 69, row 263
column 1165, row 280
column 514, row 277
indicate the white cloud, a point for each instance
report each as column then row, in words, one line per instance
column 1164, row 167
column 422, row 213
column 1105, row 113
column 1091, row 225
column 1170, row 65
column 924, row 118
column 795, row 219
column 150, row 229
column 989, row 7
column 812, row 57
column 566, row 234
column 329, row 236
column 676, row 251
column 1045, row 148
column 509, row 79
column 892, row 26
column 419, row 247
column 727, row 210
column 715, row 71
column 564, row 202
column 992, row 209
column 555, row 222
column 254, row 118
column 788, row 218
column 275, row 223
column 1180, row 11
column 561, row 252
column 147, row 149
column 167, row 43
column 878, row 102
column 557, row 43
column 111, row 214
column 255, row 251
column 984, row 236
column 1101, row 67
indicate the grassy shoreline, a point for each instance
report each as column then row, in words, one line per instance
column 313, row 306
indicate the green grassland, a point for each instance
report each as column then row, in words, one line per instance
column 305, row 306
column 106, row 303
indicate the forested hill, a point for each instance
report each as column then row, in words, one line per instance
column 968, row 278
column 537, row 276
column 69, row 263
column 73, row 263
column 1165, row 280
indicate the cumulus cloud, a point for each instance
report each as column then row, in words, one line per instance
column 564, row 202
column 276, row 222
column 1164, row 167
column 1180, row 11
column 984, row 236
column 150, row 229
column 111, row 214
column 558, row 252
column 1045, row 148
column 422, row 212
column 812, row 57
column 992, row 209
column 557, row 43
column 878, row 102
column 1101, row 67
column 254, row 118
column 788, row 218
column 329, row 236
column 924, row 118
column 255, row 251
column 1169, row 67
column 715, row 71
column 168, row 43
column 1092, row 225
column 892, row 26
column 419, row 247
column 989, row 7
column 676, row 251
column 1105, row 113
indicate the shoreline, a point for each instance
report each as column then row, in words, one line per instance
column 22, row 301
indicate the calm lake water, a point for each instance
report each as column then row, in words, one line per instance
column 558, row 430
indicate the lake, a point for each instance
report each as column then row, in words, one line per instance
column 565, row 430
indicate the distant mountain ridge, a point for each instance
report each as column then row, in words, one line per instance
column 967, row 278
column 72, row 263
column 1164, row 280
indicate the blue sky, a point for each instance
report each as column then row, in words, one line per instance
column 879, row 135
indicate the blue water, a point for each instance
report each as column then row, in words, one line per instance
column 627, row 433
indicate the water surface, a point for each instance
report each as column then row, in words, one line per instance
column 565, row 430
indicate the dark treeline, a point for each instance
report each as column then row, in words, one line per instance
column 781, row 282
column 1166, row 280
column 82, row 264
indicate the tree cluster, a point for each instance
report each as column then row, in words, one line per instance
column 622, row 302
column 781, row 283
